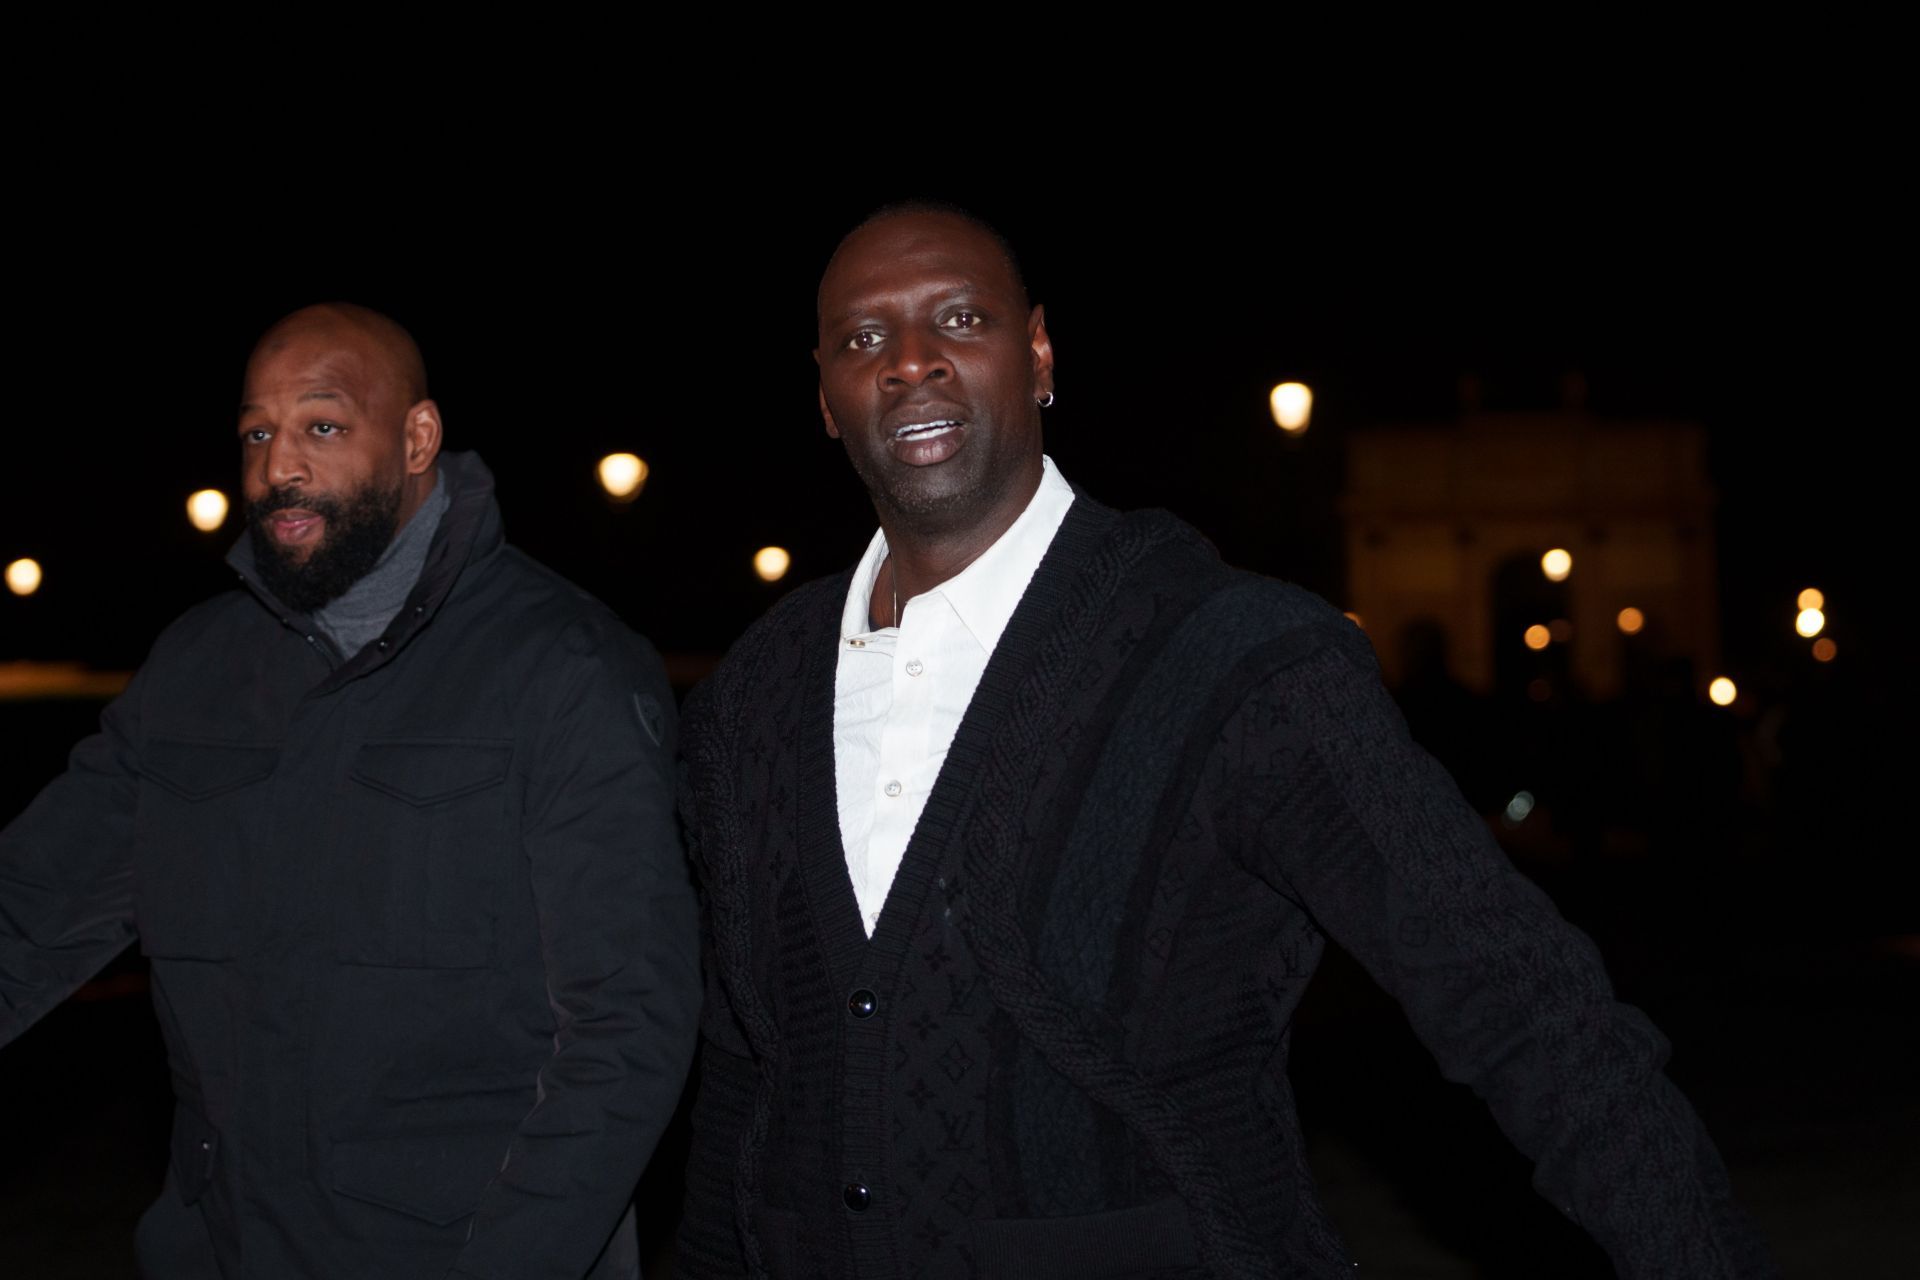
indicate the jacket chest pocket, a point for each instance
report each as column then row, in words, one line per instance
column 203, row 821
column 430, row 850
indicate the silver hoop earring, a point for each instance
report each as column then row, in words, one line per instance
column 1046, row 401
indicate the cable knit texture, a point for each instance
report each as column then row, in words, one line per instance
column 1063, row 1051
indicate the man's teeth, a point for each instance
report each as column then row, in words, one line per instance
column 922, row 430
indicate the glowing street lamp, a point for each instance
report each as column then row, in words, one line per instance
column 1722, row 691
column 772, row 563
column 1292, row 405
column 207, row 510
column 1557, row 564
column 623, row 475
column 23, row 577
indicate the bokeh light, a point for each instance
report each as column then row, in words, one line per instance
column 1538, row 637
column 23, row 577
column 1561, row 630
column 1825, row 650
column 1631, row 621
column 207, row 510
column 772, row 563
column 623, row 475
column 1292, row 405
column 1723, row 691
column 1811, row 598
column 1810, row 622
column 1557, row 564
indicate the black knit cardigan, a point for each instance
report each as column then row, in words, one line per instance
column 1063, row 1051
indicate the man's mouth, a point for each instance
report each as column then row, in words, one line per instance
column 926, row 430
column 293, row 524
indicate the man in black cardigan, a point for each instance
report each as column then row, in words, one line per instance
column 1020, row 842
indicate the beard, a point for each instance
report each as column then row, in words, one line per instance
column 359, row 529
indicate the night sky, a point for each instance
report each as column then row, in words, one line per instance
column 566, row 320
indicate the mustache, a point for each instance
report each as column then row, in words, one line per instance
column 281, row 499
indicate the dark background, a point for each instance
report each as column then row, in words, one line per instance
column 1733, row 283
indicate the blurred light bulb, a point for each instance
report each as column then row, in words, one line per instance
column 1810, row 622
column 23, row 577
column 1723, row 691
column 207, row 510
column 622, row 475
column 1811, row 598
column 1292, row 405
column 1824, row 649
column 1631, row 620
column 771, row 563
column 1538, row 637
column 1557, row 564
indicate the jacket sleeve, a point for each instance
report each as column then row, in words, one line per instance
column 66, row 873
column 618, row 939
column 1370, row 833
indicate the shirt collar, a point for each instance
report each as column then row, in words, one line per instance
column 985, row 593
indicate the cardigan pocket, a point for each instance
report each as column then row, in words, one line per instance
column 200, row 821
column 1146, row 1240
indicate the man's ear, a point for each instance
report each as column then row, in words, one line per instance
column 1042, row 351
column 422, row 435
column 826, row 414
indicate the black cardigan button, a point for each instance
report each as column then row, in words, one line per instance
column 857, row 1197
column 862, row 1003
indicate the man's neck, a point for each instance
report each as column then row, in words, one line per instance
column 918, row 559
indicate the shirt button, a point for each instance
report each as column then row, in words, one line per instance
column 862, row 1003
column 892, row 788
column 913, row 667
column 385, row 645
column 857, row 1197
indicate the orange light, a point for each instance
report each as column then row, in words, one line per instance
column 771, row 563
column 1631, row 620
column 1292, row 405
column 1354, row 618
column 622, row 475
column 207, row 510
column 1811, row 598
column 1557, row 564
column 23, row 577
column 1825, row 650
column 1538, row 637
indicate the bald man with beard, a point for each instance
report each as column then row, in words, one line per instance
column 392, row 821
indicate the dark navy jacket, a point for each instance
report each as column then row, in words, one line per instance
column 423, row 945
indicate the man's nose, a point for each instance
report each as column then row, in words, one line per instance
column 917, row 358
column 286, row 461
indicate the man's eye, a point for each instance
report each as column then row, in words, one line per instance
column 325, row 429
column 254, row 435
column 864, row 340
column 960, row 320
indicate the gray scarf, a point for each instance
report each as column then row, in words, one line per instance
column 364, row 610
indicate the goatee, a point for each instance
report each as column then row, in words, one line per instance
column 358, row 530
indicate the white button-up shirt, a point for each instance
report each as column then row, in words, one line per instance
column 899, row 692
